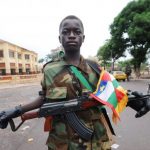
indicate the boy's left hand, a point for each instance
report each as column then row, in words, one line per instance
column 139, row 103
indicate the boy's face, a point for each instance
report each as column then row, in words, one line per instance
column 71, row 35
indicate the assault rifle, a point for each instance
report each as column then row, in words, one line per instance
column 67, row 109
column 64, row 109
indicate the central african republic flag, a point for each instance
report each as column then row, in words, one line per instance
column 110, row 93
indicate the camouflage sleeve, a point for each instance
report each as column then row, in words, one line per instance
column 53, row 89
column 43, row 85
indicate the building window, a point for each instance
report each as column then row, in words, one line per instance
column 19, row 56
column 20, row 71
column 13, row 71
column 2, row 72
column 11, row 54
column 27, row 57
column 1, row 53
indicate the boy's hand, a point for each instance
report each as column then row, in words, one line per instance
column 139, row 103
column 144, row 109
column 3, row 124
column 5, row 116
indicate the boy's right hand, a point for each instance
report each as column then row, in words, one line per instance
column 3, row 124
column 5, row 116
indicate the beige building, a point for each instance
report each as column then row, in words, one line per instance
column 17, row 60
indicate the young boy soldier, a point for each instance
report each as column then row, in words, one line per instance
column 61, row 83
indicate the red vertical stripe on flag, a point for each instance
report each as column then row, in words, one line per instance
column 119, row 95
column 106, row 77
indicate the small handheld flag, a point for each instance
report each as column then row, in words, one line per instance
column 111, row 94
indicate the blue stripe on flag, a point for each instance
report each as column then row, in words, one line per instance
column 101, row 87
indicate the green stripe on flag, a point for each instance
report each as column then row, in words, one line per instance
column 113, row 100
column 115, row 83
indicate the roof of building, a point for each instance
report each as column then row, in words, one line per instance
column 3, row 41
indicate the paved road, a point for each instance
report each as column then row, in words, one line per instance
column 131, row 133
column 30, row 136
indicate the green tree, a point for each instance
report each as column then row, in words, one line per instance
column 131, row 29
column 111, row 51
column 104, row 54
column 48, row 57
column 41, row 60
column 123, row 64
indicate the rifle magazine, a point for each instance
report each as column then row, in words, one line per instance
column 83, row 131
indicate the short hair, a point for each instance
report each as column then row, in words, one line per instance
column 71, row 17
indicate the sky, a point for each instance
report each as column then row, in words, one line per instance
column 34, row 24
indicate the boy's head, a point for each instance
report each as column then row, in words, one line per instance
column 71, row 17
column 71, row 34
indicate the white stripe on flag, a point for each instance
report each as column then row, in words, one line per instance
column 109, row 89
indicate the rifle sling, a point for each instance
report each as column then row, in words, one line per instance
column 82, row 79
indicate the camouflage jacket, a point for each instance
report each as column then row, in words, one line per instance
column 59, row 83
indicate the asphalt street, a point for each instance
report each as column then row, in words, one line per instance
column 131, row 133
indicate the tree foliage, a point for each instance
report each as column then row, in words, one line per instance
column 123, row 64
column 131, row 30
column 48, row 57
column 111, row 50
column 104, row 54
column 41, row 60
